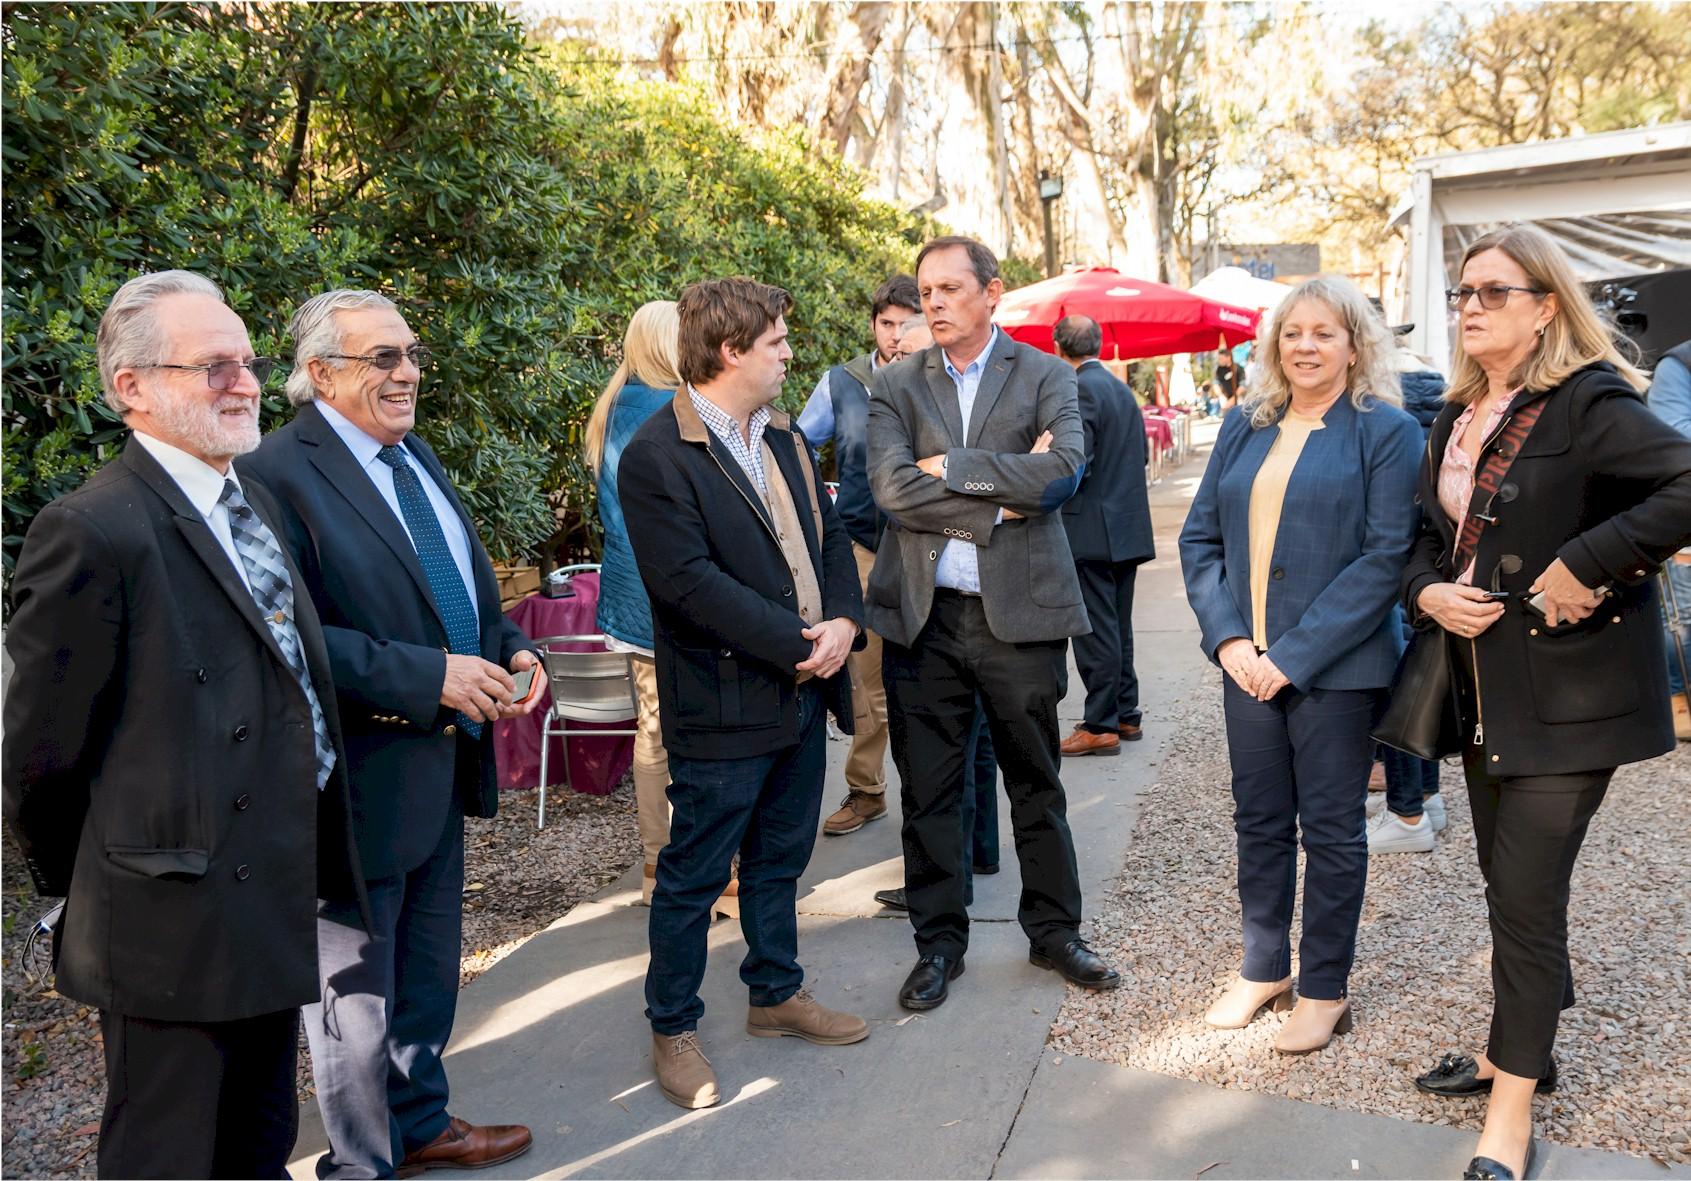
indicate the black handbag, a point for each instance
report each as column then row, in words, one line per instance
column 1421, row 719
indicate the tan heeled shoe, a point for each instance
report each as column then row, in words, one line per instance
column 1244, row 999
column 1312, row 1025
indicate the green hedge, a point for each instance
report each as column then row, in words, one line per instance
column 518, row 209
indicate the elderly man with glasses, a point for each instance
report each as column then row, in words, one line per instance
column 423, row 662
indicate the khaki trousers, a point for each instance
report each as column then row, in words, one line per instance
column 866, row 765
column 651, row 761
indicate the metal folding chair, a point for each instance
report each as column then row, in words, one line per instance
column 592, row 686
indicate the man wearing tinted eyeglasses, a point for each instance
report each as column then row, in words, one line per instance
column 423, row 662
column 172, row 757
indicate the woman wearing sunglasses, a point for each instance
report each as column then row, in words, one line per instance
column 1545, row 479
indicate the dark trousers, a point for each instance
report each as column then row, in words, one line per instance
column 1528, row 831
column 1105, row 656
column 199, row 1099
column 932, row 689
column 388, row 1004
column 1300, row 762
column 980, row 796
column 766, row 809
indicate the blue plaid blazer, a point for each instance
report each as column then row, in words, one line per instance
column 1344, row 538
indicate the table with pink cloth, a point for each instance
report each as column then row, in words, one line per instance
column 1159, row 432
column 596, row 765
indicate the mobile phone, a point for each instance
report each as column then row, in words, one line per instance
column 1497, row 596
column 524, row 682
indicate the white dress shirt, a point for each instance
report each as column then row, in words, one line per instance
column 202, row 484
column 364, row 449
column 959, row 562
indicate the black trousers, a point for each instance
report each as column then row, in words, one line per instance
column 931, row 694
column 199, row 1099
column 1105, row 656
column 1528, row 830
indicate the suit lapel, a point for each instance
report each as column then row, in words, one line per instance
column 330, row 457
column 203, row 542
column 943, row 391
column 995, row 373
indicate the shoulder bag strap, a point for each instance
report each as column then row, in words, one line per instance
column 1490, row 479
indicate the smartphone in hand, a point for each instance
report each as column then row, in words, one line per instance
column 524, row 688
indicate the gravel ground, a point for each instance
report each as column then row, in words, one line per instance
column 517, row 881
column 1422, row 982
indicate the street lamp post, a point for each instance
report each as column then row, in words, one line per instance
column 1050, row 188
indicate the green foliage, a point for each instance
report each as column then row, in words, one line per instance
column 516, row 212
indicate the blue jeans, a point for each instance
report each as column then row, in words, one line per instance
column 1408, row 779
column 766, row 809
column 1300, row 761
column 1680, row 577
column 980, row 800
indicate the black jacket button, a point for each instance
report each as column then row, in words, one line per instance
column 243, row 802
column 786, row 591
column 1278, row 572
column 242, row 873
column 240, row 733
column 202, row 676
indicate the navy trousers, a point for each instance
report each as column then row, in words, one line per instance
column 766, row 809
column 1104, row 656
column 1300, row 762
column 980, row 800
column 388, row 1005
column 1409, row 780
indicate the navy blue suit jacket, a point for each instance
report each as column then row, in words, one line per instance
column 387, row 642
column 1346, row 526
column 1109, row 518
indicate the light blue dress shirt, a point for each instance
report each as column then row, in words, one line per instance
column 364, row 450
column 959, row 562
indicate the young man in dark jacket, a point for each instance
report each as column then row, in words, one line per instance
column 755, row 607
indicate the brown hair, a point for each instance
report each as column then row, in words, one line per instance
column 717, row 312
column 1575, row 337
column 898, row 291
column 981, row 260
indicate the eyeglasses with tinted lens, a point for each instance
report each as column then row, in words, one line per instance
column 222, row 375
column 1492, row 295
column 389, row 359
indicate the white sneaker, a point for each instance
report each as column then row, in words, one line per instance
column 1432, row 807
column 1376, row 803
column 1387, row 833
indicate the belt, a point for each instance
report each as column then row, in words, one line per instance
column 954, row 592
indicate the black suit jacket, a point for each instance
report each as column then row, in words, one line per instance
column 160, row 765
column 387, row 642
column 1109, row 519
column 724, row 611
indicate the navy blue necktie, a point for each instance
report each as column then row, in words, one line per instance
column 463, row 633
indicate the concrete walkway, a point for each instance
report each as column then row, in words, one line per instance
column 553, row 1035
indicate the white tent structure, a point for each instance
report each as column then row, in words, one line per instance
column 1620, row 202
column 1237, row 286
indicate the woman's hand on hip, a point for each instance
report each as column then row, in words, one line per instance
column 1566, row 598
column 1238, row 658
column 1460, row 610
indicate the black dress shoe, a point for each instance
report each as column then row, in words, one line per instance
column 1457, row 1075
column 985, row 870
column 1078, row 964
column 893, row 899
column 1483, row 1168
column 929, row 981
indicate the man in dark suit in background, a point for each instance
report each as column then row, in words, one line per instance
column 1109, row 527
column 171, row 751
column 973, row 445
column 422, row 661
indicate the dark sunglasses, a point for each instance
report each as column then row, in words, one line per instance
column 389, row 359
column 1492, row 295
column 222, row 375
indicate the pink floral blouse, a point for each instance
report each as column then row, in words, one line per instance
column 1456, row 471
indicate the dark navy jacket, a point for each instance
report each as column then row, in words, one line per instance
column 1109, row 518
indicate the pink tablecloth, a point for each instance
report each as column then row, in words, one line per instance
column 1159, row 433
column 596, row 765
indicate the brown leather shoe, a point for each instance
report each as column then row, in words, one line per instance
column 1129, row 732
column 467, row 1146
column 800, row 1016
column 1085, row 742
column 684, row 1073
column 856, row 810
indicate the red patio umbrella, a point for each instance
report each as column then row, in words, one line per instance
column 1139, row 318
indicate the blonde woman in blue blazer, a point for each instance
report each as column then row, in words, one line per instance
column 1292, row 553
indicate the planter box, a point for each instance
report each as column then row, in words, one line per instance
column 516, row 583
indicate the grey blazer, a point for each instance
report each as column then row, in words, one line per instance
column 1028, row 582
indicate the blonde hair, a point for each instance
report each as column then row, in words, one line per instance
column 1373, row 377
column 1575, row 336
column 649, row 355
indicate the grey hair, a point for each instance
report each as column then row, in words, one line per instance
column 317, row 335
column 1372, row 378
column 129, row 335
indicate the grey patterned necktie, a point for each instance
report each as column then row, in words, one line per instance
column 273, row 591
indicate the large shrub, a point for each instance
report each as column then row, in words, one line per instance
column 517, row 210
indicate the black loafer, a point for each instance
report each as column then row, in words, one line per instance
column 1078, row 964
column 1483, row 1168
column 929, row 982
column 893, row 899
column 1457, row 1075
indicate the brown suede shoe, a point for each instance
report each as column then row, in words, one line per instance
column 800, row 1016
column 856, row 810
column 684, row 1073
column 1129, row 732
column 467, row 1146
column 1085, row 742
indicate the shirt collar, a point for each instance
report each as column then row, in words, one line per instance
column 362, row 445
column 722, row 423
column 201, row 483
column 978, row 363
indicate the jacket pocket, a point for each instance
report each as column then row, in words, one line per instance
column 185, row 865
column 1051, row 576
column 886, row 577
column 1583, row 675
column 714, row 690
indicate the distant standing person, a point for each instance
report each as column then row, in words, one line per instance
column 1226, row 379
column 1109, row 526
column 1670, row 398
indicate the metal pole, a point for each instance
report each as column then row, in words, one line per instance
column 1050, row 242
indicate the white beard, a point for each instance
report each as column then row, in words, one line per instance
column 205, row 429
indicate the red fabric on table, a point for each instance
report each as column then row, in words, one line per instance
column 1159, row 432
column 596, row 765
